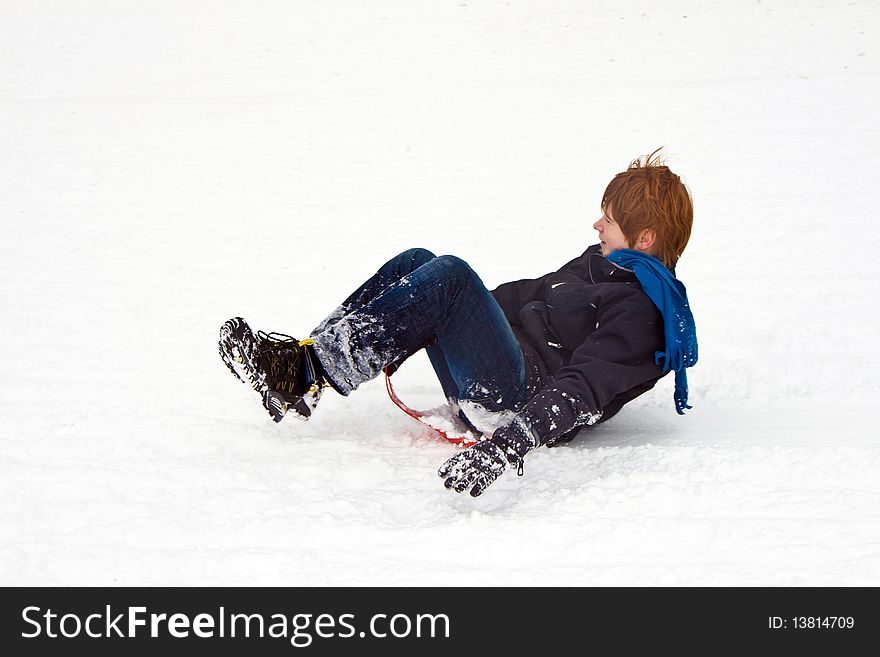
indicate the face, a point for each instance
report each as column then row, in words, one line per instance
column 610, row 236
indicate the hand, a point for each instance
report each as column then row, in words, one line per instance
column 477, row 467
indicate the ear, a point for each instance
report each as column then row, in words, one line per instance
column 646, row 239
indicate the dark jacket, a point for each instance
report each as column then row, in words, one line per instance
column 588, row 334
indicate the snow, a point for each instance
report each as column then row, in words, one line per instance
column 167, row 166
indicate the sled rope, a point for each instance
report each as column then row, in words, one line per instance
column 420, row 416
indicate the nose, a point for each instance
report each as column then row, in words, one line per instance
column 598, row 224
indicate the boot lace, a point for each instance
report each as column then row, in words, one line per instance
column 289, row 367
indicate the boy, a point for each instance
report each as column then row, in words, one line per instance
column 547, row 355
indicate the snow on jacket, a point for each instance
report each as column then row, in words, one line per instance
column 588, row 334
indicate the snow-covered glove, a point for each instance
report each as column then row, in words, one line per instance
column 477, row 467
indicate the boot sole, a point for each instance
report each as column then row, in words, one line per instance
column 239, row 351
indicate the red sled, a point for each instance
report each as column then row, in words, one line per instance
column 421, row 417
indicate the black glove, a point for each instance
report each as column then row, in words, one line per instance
column 477, row 467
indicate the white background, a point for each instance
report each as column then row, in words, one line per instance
column 167, row 165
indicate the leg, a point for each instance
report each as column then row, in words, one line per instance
column 441, row 303
column 391, row 272
column 416, row 300
column 441, row 369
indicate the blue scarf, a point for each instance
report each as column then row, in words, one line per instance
column 670, row 297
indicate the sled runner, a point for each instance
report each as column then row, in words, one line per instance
column 427, row 419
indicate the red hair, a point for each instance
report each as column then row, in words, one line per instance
column 649, row 195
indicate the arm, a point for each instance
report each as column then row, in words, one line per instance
column 616, row 357
column 516, row 294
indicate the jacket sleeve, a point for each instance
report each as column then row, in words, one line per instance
column 513, row 296
column 516, row 294
column 615, row 358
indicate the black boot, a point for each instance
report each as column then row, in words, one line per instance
column 282, row 369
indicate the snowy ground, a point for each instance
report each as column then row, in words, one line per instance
column 164, row 166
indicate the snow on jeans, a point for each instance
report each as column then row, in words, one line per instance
column 419, row 300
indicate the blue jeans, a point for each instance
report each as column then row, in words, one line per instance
column 418, row 300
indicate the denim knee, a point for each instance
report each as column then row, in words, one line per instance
column 456, row 268
column 417, row 257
